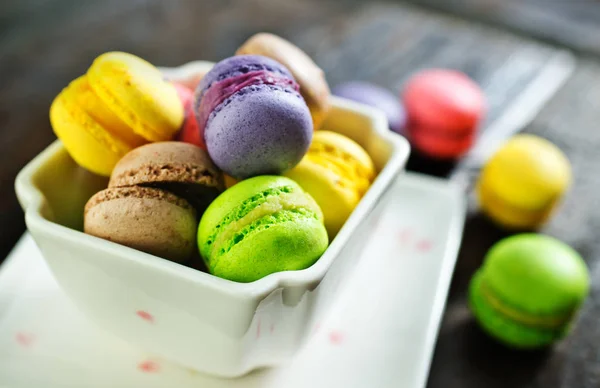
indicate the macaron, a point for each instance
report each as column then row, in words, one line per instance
column 444, row 109
column 144, row 218
column 260, row 226
column 121, row 103
column 310, row 77
column 523, row 182
column 336, row 172
column 138, row 93
column 528, row 291
column 189, row 132
column 180, row 168
column 376, row 97
column 253, row 119
column 94, row 136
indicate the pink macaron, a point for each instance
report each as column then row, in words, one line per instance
column 444, row 109
column 189, row 133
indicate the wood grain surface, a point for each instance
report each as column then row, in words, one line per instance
column 570, row 23
column 46, row 43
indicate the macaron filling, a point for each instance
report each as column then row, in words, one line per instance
column 507, row 329
column 541, row 321
column 443, row 133
column 222, row 90
column 240, row 220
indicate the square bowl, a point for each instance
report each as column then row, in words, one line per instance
column 190, row 317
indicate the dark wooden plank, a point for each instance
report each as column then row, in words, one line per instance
column 574, row 24
column 464, row 356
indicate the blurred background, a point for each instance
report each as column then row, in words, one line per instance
column 503, row 45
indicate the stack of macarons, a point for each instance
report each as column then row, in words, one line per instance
column 202, row 171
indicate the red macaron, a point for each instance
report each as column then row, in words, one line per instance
column 190, row 132
column 444, row 109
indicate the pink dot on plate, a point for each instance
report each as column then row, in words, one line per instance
column 258, row 329
column 148, row 366
column 404, row 235
column 336, row 337
column 424, row 245
column 145, row 315
column 24, row 339
column 317, row 328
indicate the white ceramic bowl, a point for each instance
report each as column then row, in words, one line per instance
column 179, row 313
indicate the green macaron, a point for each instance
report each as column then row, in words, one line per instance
column 528, row 290
column 261, row 225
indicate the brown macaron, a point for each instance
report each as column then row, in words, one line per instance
column 148, row 219
column 310, row 77
column 181, row 168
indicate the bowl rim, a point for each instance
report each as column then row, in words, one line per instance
column 32, row 201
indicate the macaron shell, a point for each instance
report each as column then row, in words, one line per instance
column 88, row 142
column 537, row 273
column 85, row 97
column 439, row 146
column 336, row 202
column 238, row 65
column 169, row 161
column 313, row 85
column 146, row 219
column 135, row 91
column 340, row 146
column 189, row 133
column 527, row 171
column 444, row 99
column 285, row 246
column 181, row 168
column 277, row 131
column 505, row 329
column 259, row 226
column 232, row 197
column 336, row 172
column 511, row 216
column 186, row 96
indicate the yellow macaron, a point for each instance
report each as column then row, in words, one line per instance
column 121, row 103
column 336, row 172
column 136, row 92
column 522, row 183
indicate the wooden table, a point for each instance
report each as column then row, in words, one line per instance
column 44, row 44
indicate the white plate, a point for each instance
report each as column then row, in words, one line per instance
column 377, row 331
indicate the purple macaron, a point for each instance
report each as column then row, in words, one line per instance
column 375, row 96
column 254, row 120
